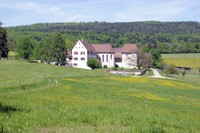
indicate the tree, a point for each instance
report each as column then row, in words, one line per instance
column 24, row 49
column 3, row 43
column 155, row 55
column 160, row 63
column 54, row 50
column 144, row 59
column 171, row 70
column 69, row 44
column 140, row 56
column 93, row 63
column 147, row 60
column 131, row 60
column 12, row 41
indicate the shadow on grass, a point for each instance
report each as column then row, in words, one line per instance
column 7, row 108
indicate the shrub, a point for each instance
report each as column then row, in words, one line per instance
column 160, row 63
column 171, row 70
column 93, row 63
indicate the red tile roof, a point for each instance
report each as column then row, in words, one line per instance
column 103, row 48
column 118, row 52
column 129, row 48
column 88, row 46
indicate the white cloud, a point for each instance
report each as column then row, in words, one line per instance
column 29, row 6
column 162, row 11
column 35, row 11
column 35, row 8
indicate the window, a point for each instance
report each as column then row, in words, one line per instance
column 75, row 53
column 76, row 58
column 111, row 57
column 106, row 58
column 75, row 64
column 102, row 58
column 82, row 59
column 82, row 53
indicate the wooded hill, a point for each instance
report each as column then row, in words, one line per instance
column 168, row 37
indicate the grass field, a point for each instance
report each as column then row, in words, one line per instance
column 189, row 60
column 44, row 98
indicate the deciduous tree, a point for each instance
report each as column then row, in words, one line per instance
column 3, row 42
column 171, row 70
column 55, row 50
column 24, row 49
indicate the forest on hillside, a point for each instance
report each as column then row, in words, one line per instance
column 167, row 37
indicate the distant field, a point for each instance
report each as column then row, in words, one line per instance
column 44, row 98
column 189, row 60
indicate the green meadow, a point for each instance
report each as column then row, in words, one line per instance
column 191, row 60
column 45, row 98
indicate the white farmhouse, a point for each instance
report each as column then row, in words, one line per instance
column 125, row 57
column 81, row 52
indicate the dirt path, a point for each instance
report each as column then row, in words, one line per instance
column 157, row 74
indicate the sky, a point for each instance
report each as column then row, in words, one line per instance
column 24, row 12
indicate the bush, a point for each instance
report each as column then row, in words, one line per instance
column 160, row 63
column 93, row 63
column 171, row 70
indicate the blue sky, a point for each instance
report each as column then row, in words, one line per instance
column 22, row 12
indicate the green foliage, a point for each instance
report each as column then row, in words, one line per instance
column 24, row 49
column 3, row 43
column 52, row 50
column 156, row 56
column 171, row 70
column 69, row 44
column 12, row 40
column 160, row 63
column 93, row 63
column 167, row 37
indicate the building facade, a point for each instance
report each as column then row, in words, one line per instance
column 125, row 57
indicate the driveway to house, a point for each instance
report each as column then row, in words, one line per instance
column 156, row 74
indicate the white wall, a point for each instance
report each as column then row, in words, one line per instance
column 107, row 59
column 129, row 60
column 79, row 55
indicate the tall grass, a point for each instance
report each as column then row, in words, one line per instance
column 90, row 101
column 188, row 60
